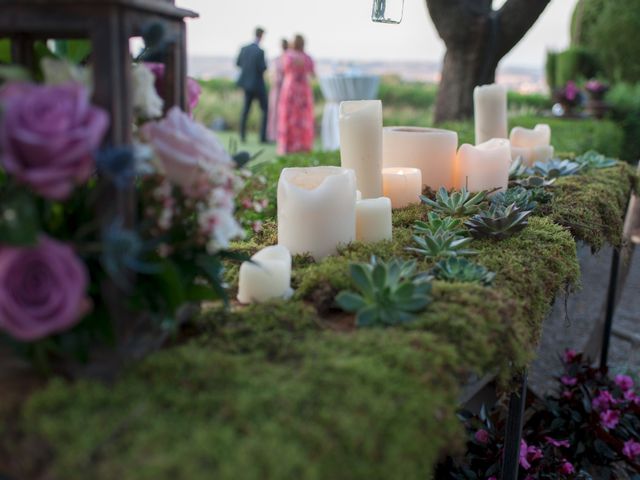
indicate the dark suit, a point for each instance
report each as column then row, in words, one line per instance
column 252, row 67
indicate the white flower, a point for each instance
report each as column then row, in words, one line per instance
column 146, row 102
column 58, row 72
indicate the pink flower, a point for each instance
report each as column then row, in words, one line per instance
column 528, row 454
column 43, row 289
column 482, row 436
column 567, row 468
column 610, row 418
column 630, row 396
column 48, row 134
column 569, row 355
column 193, row 87
column 631, row 449
column 568, row 381
column 492, row 478
column 603, row 401
column 625, row 382
column 571, row 90
column 567, row 394
column 558, row 443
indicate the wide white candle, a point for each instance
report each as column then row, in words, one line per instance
column 403, row 186
column 431, row 150
column 267, row 277
column 533, row 145
column 361, row 144
column 485, row 166
column 373, row 220
column 316, row 209
column 490, row 112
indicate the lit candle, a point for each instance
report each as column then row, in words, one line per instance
column 431, row 150
column 403, row 186
column 490, row 111
column 361, row 144
column 266, row 277
column 373, row 220
column 316, row 209
column 485, row 166
column 533, row 145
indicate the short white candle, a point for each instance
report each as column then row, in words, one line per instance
column 484, row 167
column 316, row 209
column 431, row 150
column 361, row 144
column 373, row 220
column 533, row 145
column 267, row 278
column 403, row 186
column 490, row 112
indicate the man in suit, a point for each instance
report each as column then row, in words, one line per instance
column 252, row 67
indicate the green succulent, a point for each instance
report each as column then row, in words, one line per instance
column 518, row 169
column 458, row 204
column 556, row 168
column 534, row 181
column 388, row 293
column 593, row 159
column 435, row 224
column 441, row 245
column 456, row 269
column 520, row 196
column 498, row 222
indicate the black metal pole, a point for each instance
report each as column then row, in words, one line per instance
column 610, row 311
column 513, row 431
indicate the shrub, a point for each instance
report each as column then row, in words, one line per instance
column 575, row 63
column 625, row 100
column 551, row 68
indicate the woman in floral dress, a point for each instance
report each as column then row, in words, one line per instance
column 277, row 77
column 295, row 107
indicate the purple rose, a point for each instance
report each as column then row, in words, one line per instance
column 193, row 87
column 482, row 436
column 48, row 135
column 631, row 449
column 625, row 382
column 610, row 419
column 43, row 289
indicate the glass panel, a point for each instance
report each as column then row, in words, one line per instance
column 387, row 11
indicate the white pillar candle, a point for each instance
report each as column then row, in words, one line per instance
column 431, row 150
column 361, row 144
column 373, row 220
column 533, row 145
column 316, row 209
column 267, row 277
column 484, row 167
column 403, row 186
column 490, row 112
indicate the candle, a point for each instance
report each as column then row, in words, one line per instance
column 373, row 220
column 490, row 111
column 267, row 277
column 361, row 144
column 431, row 150
column 533, row 145
column 403, row 186
column 484, row 167
column 316, row 209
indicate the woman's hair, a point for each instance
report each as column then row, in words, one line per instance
column 285, row 44
column 298, row 43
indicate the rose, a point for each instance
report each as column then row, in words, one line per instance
column 193, row 87
column 185, row 149
column 146, row 102
column 42, row 289
column 48, row 135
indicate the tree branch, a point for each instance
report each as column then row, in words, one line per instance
column 516, row 18
column 457, row 21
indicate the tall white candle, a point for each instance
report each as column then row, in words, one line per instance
column 361, row 144
column 316, row 209
column 266, row 277
column 403, row 186
column 490, row 112
column 373, row 220
column 533, row 145
column 484, row 167
column 431, row 150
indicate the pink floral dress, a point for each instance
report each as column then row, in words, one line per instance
column 295, row 106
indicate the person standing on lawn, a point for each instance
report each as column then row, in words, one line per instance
column 252, row 63
column 274, row 94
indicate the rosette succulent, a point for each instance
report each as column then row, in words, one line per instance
column 556, row 168
column 520, row 196
column 498, row 222
column 435, row 224
column 518, row 169
column 441, row 245
column 456, row 204
column 456, row 269
column 595, row 160
column 388, row 293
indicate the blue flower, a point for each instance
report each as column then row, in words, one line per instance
column 118, row 164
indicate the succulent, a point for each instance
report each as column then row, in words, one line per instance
column 389, row 293
column 556, row 168
column 520, row 196
column 498, row 222
column 435, row 224
column 456, row 269
column 593, row 159
column 518, row 169
column 441, row 245
column 459, row 203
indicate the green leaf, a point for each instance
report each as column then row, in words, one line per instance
column 5, row 51
column 361, row 277
column 350, row 302
column 19, row 221
column 379, row 276
column 76, row 51
column 171, row 285
column 404, row 292
column 367, row 317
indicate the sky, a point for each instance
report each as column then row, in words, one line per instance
column 343, row 30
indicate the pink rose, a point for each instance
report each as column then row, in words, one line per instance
column 482, row 436
column 631, row 449
column 48, row 135
column 625, row 382
column 43, row 289
column 193, row 87
column 185, row 148
column 610, row 419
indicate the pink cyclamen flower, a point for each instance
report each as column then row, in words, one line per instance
column 193, row 87
column 630, row 396
column 49, row 134
column 569, row 355
column 557, row 443
column 631, row 449
column 568, row 381
column 492, row 478
column 571, row 90
column 482, row 436
column 528, row 454
column 625, row 382
column 567, row 468
column 610, row 418
column 567, row 394
column 603, row 401
column 43, row 289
